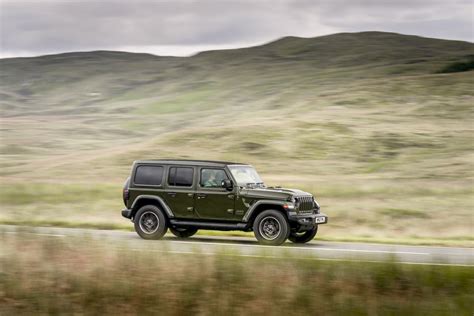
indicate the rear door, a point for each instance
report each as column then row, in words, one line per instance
column 211, row 201
column 180, row 189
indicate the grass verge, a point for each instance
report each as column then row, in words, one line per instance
column 76, row 276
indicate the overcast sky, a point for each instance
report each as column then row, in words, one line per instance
column 180, row 28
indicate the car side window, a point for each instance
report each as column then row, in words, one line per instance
column 212, row 178
column 181, row 176
column 148, row 175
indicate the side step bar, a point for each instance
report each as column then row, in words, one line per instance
column 209, row 225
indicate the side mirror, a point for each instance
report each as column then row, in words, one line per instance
column 227, row 184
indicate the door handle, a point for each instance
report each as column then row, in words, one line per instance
column 173, row 194
column 201, row 195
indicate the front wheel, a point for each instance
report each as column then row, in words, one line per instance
column 150, row 223
column 303, row 237
column 271, row 228
column 181, row 232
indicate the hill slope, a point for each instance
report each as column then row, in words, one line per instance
column 81, row 81
column 369, row 122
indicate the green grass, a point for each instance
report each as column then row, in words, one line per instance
column 55, row 193
column 80, row 276
column 460, row 66
column 180, row 103
column 403, row 213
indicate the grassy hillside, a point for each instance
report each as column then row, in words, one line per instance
column 377, row 125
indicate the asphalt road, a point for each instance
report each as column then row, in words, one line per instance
column 248, row 247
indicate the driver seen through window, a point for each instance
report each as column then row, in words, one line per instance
column 212, row 178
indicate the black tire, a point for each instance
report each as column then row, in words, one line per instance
column 150, row 222
column 271, row 227
column 303, row 237
column 182, row 232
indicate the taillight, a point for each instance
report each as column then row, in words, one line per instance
column 125, row 196
column 125, row 192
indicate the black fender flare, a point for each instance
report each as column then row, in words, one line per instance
column 254, row 206
column 162, row 203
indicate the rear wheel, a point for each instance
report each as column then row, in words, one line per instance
column 150, row 223
column 303, row 237
column 271, row 228
column 182, row 232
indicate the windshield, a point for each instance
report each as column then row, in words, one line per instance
column 246, row 176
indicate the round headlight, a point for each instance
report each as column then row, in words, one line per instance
column 297, row 202
column 315, row 203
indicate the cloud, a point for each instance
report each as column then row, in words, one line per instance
column 184, row 27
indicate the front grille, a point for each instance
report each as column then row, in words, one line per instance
column 305, row 203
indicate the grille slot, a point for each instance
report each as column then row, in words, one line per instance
column 305, row 204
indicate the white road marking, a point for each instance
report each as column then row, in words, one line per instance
column 301, row 248
column 392, row 244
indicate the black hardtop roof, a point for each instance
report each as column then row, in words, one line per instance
column 188, row 162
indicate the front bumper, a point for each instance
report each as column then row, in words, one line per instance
column 309, row 219
column 127, row 213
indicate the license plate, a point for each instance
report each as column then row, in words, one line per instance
column 319, row 220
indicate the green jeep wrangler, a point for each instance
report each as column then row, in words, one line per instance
column 187, row 195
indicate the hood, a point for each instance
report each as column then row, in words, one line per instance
column 273, row 193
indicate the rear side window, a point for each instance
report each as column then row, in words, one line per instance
column 181, row 176
column 149, row 175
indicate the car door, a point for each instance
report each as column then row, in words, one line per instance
column 180, row 189
column 211, row 201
